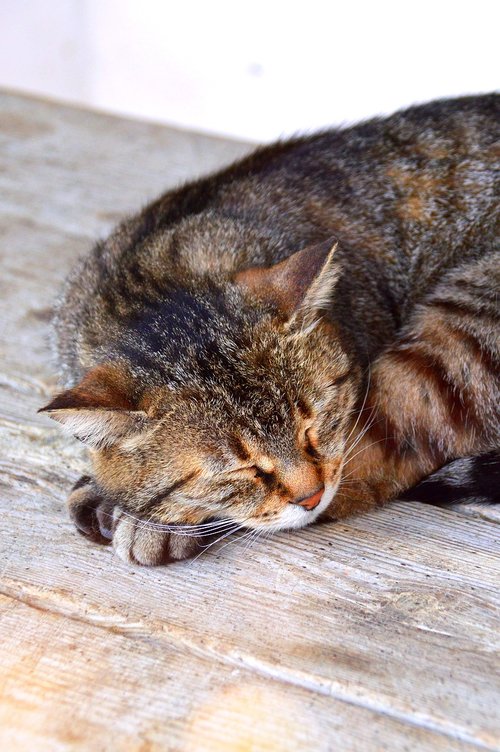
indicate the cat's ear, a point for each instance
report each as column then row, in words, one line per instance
column 101, row 409
column 301, row 286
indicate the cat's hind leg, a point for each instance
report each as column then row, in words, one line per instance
column 464, row 479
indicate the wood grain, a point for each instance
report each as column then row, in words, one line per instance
column 380, row 633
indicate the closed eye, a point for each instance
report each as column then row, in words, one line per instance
column 309, row 444
column 255, row 471
column 339, row 380
column 263, row 474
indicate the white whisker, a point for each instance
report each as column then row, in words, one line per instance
column 367, row 447
column 221, row 537
column 201, row 530
column 258, row 534
column 245, row 536
column 362, row 406
column 369, row 424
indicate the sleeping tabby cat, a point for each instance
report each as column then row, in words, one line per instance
column 305, row 335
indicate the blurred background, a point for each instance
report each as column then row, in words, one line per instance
column 251, row 70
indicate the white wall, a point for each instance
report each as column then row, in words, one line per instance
column 254, row 70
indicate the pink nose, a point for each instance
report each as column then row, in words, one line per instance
column 310, row 502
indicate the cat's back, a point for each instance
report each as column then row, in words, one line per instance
column 411, row 196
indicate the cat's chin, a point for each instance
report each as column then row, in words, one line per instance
column 294, row 516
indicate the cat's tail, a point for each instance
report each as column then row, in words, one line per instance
column 464, row 479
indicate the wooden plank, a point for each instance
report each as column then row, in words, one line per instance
column 68, row 684
column 379, row 633
column 80, row 171
column 479, row 509
column 380, row 613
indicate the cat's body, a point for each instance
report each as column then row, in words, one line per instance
column 199, row 314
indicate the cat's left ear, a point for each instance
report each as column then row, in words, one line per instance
column 101, row 409
column 301, row 286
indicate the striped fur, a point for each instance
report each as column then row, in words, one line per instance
column 465, row 479
column 321, row 315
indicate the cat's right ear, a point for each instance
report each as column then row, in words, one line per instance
column 300, row 287
column 101, row 409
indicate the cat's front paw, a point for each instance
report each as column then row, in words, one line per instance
column 92, row 515
column 134, row 540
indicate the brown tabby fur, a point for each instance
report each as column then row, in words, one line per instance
column 323, row 313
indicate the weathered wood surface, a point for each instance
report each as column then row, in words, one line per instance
column 380, row 633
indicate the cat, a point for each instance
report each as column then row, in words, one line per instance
column 303, row 336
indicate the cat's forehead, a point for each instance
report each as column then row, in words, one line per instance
column 247, row 409
column 257, row 387
column 241, row 422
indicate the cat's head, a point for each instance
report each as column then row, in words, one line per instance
column 228, row 399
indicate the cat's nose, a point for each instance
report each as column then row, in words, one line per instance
column 310, row 502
